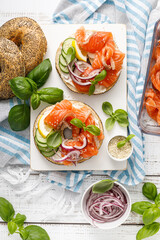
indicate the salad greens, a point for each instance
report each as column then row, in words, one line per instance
column 15, row 223
column 120, row 115
column 25, row 88
column 149, row 211
column 98, row 78
column 94, row 130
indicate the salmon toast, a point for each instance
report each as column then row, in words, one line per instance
column 95, row 51
column 82, row 144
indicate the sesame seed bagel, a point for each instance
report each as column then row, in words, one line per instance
column 29, row 37
column 11, row 65
column 75, row 103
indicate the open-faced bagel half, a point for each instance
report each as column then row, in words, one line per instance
column 11, row 65
column 29, row 37
column 74, row 103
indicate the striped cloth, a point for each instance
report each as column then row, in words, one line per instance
column 140, row 17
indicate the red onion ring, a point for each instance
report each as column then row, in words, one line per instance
column 72, row 156
column 75, row 147
column 106, row 207
column 81, row 66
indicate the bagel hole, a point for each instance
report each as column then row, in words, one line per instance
column 67, row 133
column 17, row 39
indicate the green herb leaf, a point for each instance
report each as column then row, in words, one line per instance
column 94, row 130
column 121, row 143
column 91, row 89
column 101, row 76
column 109, row 123
column 35, row 100
column 123, row 122
column 149, row 190
column 19, row 219
column 41, row 73
column 71, row 54
column 36, row 233
column 77, row 122
column 140, row 207
column 148, row 231
column 23, row 233
column 19, row 117
column 107, row 108
column 121, row 112
column 54, row 139
column 6, row 210
column 21, row 87
column 51, row 95
column 130, row 137
column 12, row 227
column 157, row 200
column 33, row 84
column 150, row 215
column 103, row 186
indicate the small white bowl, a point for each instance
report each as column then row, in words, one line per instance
column 119, row 159
column 107, row 225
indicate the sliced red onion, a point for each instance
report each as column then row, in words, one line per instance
column 65, row 146
column 72, row 156
column 83, row 145
column 78, row 82
column 106, row 207
column 82, row 66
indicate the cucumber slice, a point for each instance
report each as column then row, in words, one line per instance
column 40, row 144
column 39, row 137
column 45, row 149
column 63, row 69
column 63, row 54
column 48, row 154
column 62, row 61
column 67, row 44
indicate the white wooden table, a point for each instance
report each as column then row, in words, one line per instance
column 73, row 225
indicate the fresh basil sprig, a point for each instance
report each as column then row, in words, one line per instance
column 94, row 130
column 127, row 139
column 98, row 78
column 71, row 54
column 103, row 186
column 149, row 211
column 50, row 95
column 41, row 73
column 15, row 223
column 120, row 115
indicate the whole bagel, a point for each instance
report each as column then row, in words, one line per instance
column 11, row 65
column 29, row 37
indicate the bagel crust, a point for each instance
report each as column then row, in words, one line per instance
column 29, row 37
column 98, row 123
column 11, row 66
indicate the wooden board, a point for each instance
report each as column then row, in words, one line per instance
column 55, row 34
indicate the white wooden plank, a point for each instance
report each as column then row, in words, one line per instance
column 42, row 207
column 82, row 232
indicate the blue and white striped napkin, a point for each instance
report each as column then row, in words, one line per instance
column 140, row 17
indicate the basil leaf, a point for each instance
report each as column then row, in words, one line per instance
column 148, row 231
column 12, row 227
column 19, row 219
column 103, row 186
column 140, row 207
column 150, row 215
column 149, row 190
column 121, row 143
column 35, row 100
column 107, row 108
column 51, row 95
column 33, row 84
column 36, row 233
column 6, row 210
column 101, row 76
column 157, row 200
column 21, row 87
column 123, row 122
column 94, row 130
column 91, row 89
column 130, row 137
column 41, row 73
column 19, row 117
column 54, row 139
column 77, row 122
column 109, row 123
column 121, row 112
column 23, row 233
column 71, row 54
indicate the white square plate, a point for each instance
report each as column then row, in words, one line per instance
column 56, row 34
